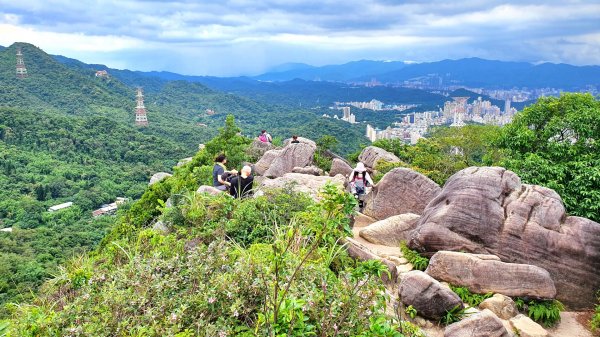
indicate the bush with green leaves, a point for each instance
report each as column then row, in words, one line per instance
column 595, row 321
column 468, row 297
column 453, row 315
column 419, row 262
column 545, row 312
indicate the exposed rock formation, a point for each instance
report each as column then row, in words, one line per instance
column 483, row 324
column 184, row 161
column 502, row 306
column 339, row 166
column 360, row 252
column 303, row 183
column 491, row 276
column 265, row 161
column 488, row 210
column 527, row 327
column 257, row 149
column 370, row 155
column 158, row 177
column 208, row 190
column 391, row 231
column 293, row 155
column 428, row 296
column 312, row 170
column 400, row 191
column 301, row 140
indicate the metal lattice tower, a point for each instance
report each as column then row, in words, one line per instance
column 21, row 70
column 140, row 110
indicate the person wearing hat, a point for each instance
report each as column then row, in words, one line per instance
column 359, row 179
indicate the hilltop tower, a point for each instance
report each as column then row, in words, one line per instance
column 21, row 70
column 140, row 110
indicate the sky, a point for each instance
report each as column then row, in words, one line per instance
column 243, row 37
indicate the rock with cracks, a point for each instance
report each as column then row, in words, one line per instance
column 502, row 306
column 265, row 161
column 483, row 276
column 391, row 231
column 488, row 210
column 400, row 191
column 293, row 155
column 427, row 295
column 482, row 324
column 371, row 155
column 339, row 166
column 312, row 170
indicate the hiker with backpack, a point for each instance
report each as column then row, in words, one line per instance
column 359, row 181
column 265, row 137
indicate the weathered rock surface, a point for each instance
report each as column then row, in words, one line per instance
column 184, row 161
column 488, row 210
column 303, row 183
column 360, row 252
column 502, row 306
column 293, row 155
column 208, row 190
column 312, row 170
column 161, row 227
column 487, row 275
column 339, row 166
column 301, row 140
column 257, row 149
column 526, row 327
column 483, row 324
column 428, row 296
column 158, row 177
column 370, row 155
column 400, row 191
column 265, row 161
column 391, row 231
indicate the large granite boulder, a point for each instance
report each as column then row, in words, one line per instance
column 339, row 166
column 482, row 324
column 303, row 183
column 400, row 191
column 257, row 149
column 265, row 161
column 484, row 275
column 209, row 190
column 428, row 296
column 293, row 155
column 391, row 231
column 488, row 210
column 301, row 140
column 526, row 327
column 312, row 170
column 371, row 155
column 502, row 306
column 158, row 177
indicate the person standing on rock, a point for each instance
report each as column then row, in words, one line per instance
column 241, row 185
column 219, row 170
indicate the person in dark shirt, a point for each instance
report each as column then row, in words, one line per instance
column 295, row 139
column 219, row 171
column 241, row 185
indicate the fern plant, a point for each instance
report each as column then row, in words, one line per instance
column 545, row 312
column 419, row 262
column 468, row 297
column 454, row 315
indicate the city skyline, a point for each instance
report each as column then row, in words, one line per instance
column 239, row 37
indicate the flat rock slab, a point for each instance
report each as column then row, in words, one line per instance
column 482, row 324
column 427, row 295
column 391, row 231
column 526, row 327
column 491, row 276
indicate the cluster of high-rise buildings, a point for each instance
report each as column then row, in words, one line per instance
column 347, row 116
column 455, row 113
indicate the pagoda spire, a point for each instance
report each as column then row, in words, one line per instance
column 140, row 110
column 21, row 70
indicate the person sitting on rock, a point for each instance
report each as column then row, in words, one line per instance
column 360, row 179
column 241, row 185
column 295, row 139
column 219, row 177
column 265, row 137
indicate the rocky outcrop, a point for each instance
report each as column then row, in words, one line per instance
column 161, row 227
column 482, row 324
column 339, row 166
column 312, row 170
column 428, row 296
column 360, row 252
column 303, row 183
column 527, row 327
column 265, row 161
column 391, row 231
column 208, row 190
column 301, row 140
column 158, row 177
column 400, row 191
column 491, row 276
column 293, row 155
column 257, row 149
column 502, row 306
column 371, row 155
column 488, row 210
column 184, row 161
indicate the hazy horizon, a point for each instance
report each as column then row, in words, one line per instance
column 238, row 37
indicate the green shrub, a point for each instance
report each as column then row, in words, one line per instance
column 545, row 312
column 419, row 262
column 453, row 315
column 595, row 321
column 468, row 297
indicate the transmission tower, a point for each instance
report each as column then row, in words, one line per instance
column 21, row 70
column 140, row 110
